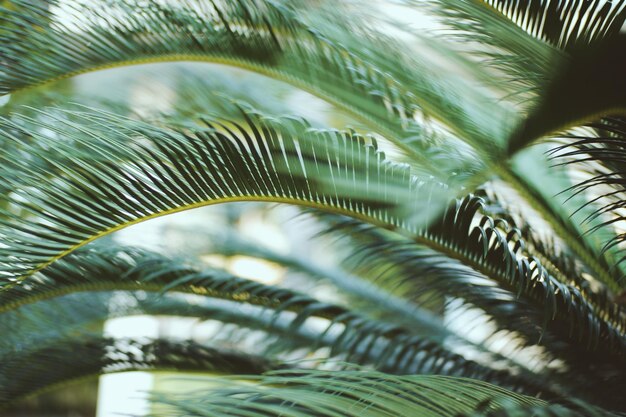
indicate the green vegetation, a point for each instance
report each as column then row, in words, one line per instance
column 471, row 165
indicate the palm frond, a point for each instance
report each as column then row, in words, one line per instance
column 24, row 373
column 370, row 297
column 598, row 154
column 525, row 61
column 569, row 408
column 370, row 81
column 374, row 299
column 588, row 86
column 349, row 335
column 424, row 225
column 393, row 276
column 53, row 341
column 95, row 269
column 542, row 186
column 368, row 73
column 110, row 172
column 486, row 240
column 551, row 83
column 420, row 274
column 165, row 180
column 554, row 257
column 345, row 393
column 565, row 24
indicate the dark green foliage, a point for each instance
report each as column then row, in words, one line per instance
column 349, row 335
column 565, row 24
column 353, row 393
column 500, row 193
column 91, row 355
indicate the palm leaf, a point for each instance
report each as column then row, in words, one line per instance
column 483, row 32
column 419, row 274
column 161, row 182
column 103, row 172
column 53, row 341
column 165, row 180
column 542, row 184
column 570, row 99
column 370, row 81
column 565, row 24
column 391, row 111
column 554, row 255
column 598, row 154
column 346, row 393
column 29, row 373
column 555, row 82
column 165, row 170
column 534, row 67
column 517, row 275
column 374, row 299
column 569, row 408
column 349, row 335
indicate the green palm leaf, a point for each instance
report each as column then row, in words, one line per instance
column 41, row 322
column 419, row 274
column 565, row 24
column 521, row 275
column 571, row 408
column 180, row 172
column 526, row 61
column 372, row 89
column 263, row 36
column 165, row 170
column 347, row 393
column 458, row 218
column 571, row 100
column 596, row 153
column 28, row 373
column 554, row 86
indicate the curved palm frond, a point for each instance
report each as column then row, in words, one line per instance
column 349, row 335
column 346, row 393
column 590, row 78
column 525, row 61
column 370, row 81
column 565, row 24
column 402, row 271
column 558, row 262
column 375, row 299
column 554, row 82
column 599, row 155
column 180, row 172
column 111, row 172
column 195, row 90
column 589, row 86
column 420, row 274
column 489, row 242
column 569, row 408
column 531, row 169
column 370, row 297
column 369, row 72
column 44, row 338
column 429, row 234
column 87, row 355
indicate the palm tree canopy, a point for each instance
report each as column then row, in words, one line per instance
column 472, row 166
